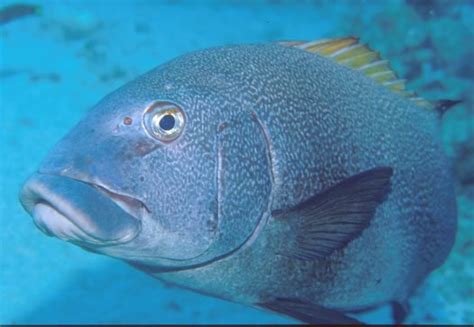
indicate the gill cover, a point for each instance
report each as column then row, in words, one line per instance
column 244, row 182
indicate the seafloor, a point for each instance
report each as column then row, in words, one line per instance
column 55, row 65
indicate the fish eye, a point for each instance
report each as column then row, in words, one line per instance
column 164, row 121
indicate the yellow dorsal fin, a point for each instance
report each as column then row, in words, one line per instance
column 349, row 52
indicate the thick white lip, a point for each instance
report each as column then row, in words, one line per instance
column 64, row 213
column 54, row 223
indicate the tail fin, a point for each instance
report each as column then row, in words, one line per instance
column 441, row 106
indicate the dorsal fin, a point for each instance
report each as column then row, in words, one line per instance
column 349, row 52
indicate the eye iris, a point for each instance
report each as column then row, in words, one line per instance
column 167, row 122
column 164, row 121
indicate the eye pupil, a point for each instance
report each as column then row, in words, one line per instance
column 167, row 122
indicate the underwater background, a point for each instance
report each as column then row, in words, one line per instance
column 64, row 56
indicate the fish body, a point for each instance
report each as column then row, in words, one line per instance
column 293, row 182
column 13, row 12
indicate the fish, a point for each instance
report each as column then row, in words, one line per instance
column 16, row 11
column 298, row 177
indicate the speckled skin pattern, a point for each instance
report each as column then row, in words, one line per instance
column 267, row 127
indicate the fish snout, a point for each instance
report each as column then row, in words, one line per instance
column 77, row 211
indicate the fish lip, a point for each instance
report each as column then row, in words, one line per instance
column 131, row 205
column 29, row 198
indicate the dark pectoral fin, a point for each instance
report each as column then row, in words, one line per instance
column 330, row 220
column 307, row 312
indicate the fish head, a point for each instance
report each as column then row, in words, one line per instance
column 156, row 174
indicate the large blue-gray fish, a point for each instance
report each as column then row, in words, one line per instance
column 300, row 177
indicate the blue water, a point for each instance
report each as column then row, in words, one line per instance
column 54, row 66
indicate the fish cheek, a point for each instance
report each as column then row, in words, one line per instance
column 179, row 188
column 143, row 147
column 136, row 149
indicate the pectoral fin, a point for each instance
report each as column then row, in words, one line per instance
column 330, row 220
column 307, row 312
column 400, row 311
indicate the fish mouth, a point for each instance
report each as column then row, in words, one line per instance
column 83, row 212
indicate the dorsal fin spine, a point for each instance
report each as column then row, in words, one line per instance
column 395, row 82
column 339, row 52
column 312, row 43
column 383, row 77
column 373, row 64
column 354, row 55
column 358, row 61
column 397, row 86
